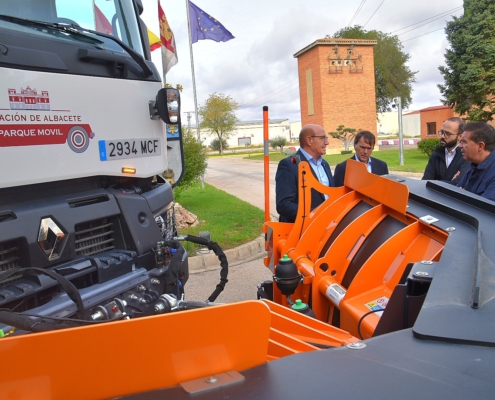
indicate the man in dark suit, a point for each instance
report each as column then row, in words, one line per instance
column 364, row 142
column 446, row 163
column 313, row 142
column 478, row 147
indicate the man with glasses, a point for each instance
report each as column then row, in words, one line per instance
column 364, row 142
column 446, row 163
column 313, row 142
column 477, row 146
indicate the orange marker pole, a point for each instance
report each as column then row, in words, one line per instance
column 266, row 163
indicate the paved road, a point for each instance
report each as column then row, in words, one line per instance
column 244, row 179
column 244, row 276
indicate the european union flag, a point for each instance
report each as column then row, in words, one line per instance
column 204, row 26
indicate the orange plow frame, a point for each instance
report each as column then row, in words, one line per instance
column 324, row 257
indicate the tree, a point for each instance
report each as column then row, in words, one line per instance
column 218, row 116
column 278, row 141
column 344, row 134
column 216, row 146
column 195, row 160
column 393, row 78
column 469, row 72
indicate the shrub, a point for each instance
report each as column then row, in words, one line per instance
column 428, row 146
column 215, row 144
column 278, row 141
column 195, row 160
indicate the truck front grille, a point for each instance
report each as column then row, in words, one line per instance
column 9, row 259
column 94, row 237
column 9, row 255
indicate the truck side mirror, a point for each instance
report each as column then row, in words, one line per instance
column 168, row 105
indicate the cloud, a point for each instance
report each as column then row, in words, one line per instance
column 258, row 68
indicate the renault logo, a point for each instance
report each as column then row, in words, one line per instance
column 50, row 238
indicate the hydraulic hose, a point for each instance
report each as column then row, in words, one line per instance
column 224, row 271
column 29, row 324
column 68, row 286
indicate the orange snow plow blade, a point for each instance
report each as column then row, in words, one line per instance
column 110, row 357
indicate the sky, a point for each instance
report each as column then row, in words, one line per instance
column 258, row 67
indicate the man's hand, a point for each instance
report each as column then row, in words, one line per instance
column 456, row 175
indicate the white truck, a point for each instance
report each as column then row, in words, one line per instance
column 86, row 223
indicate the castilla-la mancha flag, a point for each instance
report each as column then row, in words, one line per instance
column 169, row 51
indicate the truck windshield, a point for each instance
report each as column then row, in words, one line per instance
column 113, row 17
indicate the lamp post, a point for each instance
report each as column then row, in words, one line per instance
column 398, row 104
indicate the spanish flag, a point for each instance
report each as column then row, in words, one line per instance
column 155, row 42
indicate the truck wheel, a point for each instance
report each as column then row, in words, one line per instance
column 78, row 139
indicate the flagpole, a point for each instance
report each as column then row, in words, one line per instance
column 192, row 71
column 194, row 85
column 164, row 69
column 94, row 12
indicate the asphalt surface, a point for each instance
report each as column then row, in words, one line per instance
column 245, row 180
column 243, row 278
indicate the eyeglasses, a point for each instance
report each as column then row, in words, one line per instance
column 322, row 137
column 447, row 134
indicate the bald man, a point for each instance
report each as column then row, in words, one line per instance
column 313, row 142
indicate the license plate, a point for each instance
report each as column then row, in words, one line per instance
column 131, row 148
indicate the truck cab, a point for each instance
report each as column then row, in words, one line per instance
column 83, row 144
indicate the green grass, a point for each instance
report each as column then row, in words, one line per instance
column 414, row 160
column 230, row 221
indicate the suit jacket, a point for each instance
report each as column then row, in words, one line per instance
column 378, row 167
column 436, row 169
column 286, row 188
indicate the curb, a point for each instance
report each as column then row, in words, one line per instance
column 209, row 261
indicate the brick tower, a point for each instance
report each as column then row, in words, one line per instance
column 337, row 85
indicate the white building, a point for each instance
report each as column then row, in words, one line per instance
column 411, row 124
column 251, row 132
column 388, row 123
